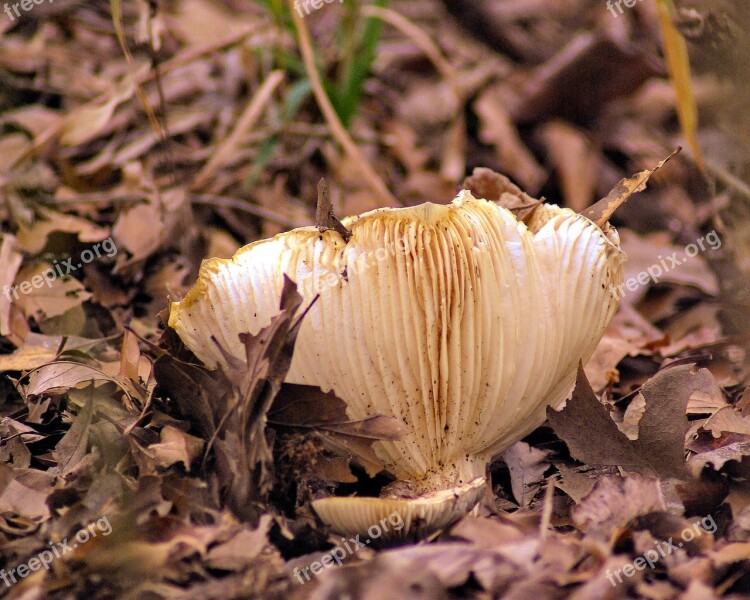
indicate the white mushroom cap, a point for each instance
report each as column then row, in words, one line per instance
column 459, row 320
column 392, row 519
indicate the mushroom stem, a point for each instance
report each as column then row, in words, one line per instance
column 451, row 474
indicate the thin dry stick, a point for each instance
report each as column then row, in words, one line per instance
column 421, row 39
column 162, row 98
column 549, row 496
column 452, row 162
column 329, row 113
column 727, row 178
column 249, row 117
column 193, row 53
column 116, row 8
column 202, row 199
column 241, row 205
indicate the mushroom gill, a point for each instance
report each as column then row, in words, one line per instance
column 459, row 320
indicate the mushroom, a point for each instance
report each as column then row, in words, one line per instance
column 459, row 320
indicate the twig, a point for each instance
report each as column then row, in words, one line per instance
column 329, row 113
column 249, row 117
column 421, row 39
column 203, row 199
column 116, row 9
column 453, row 164
column 194, row 53
column 727, row 178
column 253, row 209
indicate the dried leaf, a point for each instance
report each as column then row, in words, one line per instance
column 498, row 129
column 616, row 501
column 324, row 217
column 603, row 210
column 176, row 446
column 243, row 457
column 34, row 238
column 37, row 350
column 52, row 297
column 24, row 495
column 73, row 446
column 60, row 376
column 527, row 466
column 307, row 407
column 84, row 123
column 10, row 259
column 661, row 431
column 576, row 161
column 485, row 183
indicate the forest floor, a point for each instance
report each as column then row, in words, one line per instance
column 137, row 139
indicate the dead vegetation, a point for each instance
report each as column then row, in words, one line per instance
column 163, row 133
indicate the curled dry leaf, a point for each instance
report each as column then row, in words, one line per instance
column 176, row 446
column 34, row 238
column 59, row 376
column 243, row 458
column 486, row 183
column 603, row 210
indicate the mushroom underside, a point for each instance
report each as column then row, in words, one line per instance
column 392, row 519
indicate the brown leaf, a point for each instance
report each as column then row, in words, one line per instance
column 659, row 448
column 308, row 407
column 37, row 350
column 195, row 391
column 60, row 376
column 49, row 300
column 239, row 552
column 73, row 446
column 582, row 78
column 727, row 419
column 21, row 497
column 603, row 210
column 10, row 259
column 485, row 183
column 498, row 130
column 175, row 446
column 85, row 122
column 34, row 239
column 615, row 501
column 527, row 466
column 730, row 446
column 574, row 483
column 244, row 459
column 324, row 217
column 645, row 252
